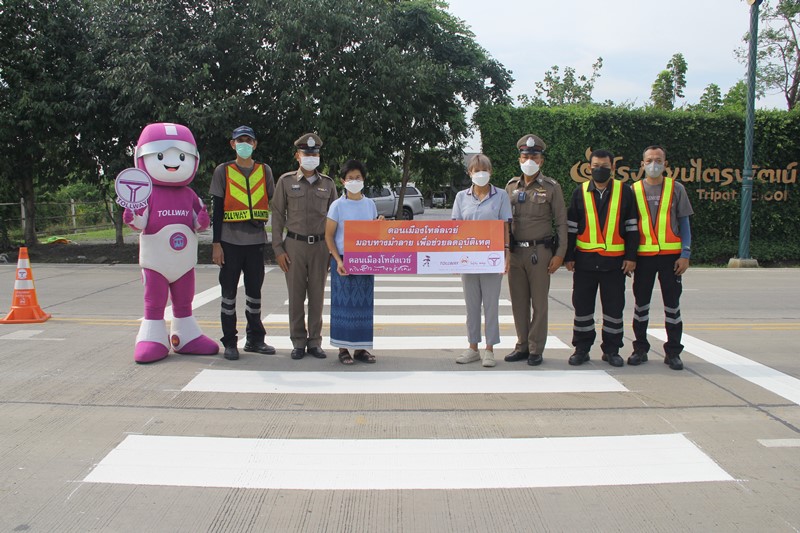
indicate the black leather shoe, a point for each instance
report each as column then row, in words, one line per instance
column 535, row 359
column 637, row 358
column 317, row 352
column 298, row 353
column 578, row 358
column 516, row 356
column 231, row 353
column 674, row 363
column 257, row 347
column 613, row 359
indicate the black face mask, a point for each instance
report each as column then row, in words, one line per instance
column 601, row 174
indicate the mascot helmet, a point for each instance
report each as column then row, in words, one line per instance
column 168, row 153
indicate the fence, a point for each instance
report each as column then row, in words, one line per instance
column 54, row 218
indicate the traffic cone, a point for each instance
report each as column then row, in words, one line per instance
column 24, row 306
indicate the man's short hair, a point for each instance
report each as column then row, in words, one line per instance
column 602, row 154
column 655, row 147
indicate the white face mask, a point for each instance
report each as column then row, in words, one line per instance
column 309, row 162
column 654, row 170
column 529, row 167
column 480, row 178
column 354, row 186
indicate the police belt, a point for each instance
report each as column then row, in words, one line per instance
column 530, row 244
column 310, row 239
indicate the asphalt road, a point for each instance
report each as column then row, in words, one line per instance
column 93, row 442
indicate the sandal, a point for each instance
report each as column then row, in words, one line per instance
column 344, row 357
column 363, row 356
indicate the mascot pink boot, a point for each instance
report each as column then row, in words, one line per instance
column 168, row 243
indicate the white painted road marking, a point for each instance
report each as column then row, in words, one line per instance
column 26, row 335
column 417, row 302
column 404, row 464
column 774, row 381
column 780, row 443
column 494, row 382
column 390, row 320
column 437, row 342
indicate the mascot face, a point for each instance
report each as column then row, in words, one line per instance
column 168, row 153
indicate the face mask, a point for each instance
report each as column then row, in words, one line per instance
column 601, row 174
column 654, row 170
column 354, row 186
column 244, row 150
column 480, row 178
column 309, row 162
column 529, row 167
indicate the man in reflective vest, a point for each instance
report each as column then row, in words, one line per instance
column 603, row 235
column 664, row 250
column 241, row 190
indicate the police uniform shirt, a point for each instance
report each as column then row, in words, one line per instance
column 681, row 207
column 241, row 233
column 299, row 206
column 628, row 227
column 536, row 206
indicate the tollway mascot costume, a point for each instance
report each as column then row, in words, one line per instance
column 168, row 219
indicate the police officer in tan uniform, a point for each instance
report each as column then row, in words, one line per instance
column 300, row 207
column 537, row 204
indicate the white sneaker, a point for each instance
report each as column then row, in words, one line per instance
column 488, row 358
column 468, row 356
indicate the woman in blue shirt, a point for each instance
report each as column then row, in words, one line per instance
column 482, row 201
column 352, row 297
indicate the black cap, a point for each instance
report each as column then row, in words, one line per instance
column 243, row 130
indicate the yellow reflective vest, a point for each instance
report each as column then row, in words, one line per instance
column 607, row 240
column 245, row 197
column 658, row 239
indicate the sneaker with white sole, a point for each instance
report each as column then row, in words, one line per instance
column 468, row 356
column 488, row 358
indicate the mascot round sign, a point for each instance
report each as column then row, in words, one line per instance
column 133, row 187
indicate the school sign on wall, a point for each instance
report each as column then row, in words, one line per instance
column 704, row 150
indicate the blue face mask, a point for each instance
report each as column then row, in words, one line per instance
column 244, row 150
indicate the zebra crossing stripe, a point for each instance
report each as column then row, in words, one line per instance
column 416, row 302
column 405, row 464
column 391, row 320
column 450, row 382
column 431, row 342
column 774, row 381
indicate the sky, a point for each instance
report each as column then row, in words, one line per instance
column 635, row 38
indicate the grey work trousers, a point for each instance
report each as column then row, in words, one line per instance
column 482, row 290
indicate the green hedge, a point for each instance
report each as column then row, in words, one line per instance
column 716, row 138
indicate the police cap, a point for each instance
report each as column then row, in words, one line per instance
column 531, row 144
column 309, row 143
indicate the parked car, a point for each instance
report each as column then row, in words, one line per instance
column 439, row 199
column 386, row 201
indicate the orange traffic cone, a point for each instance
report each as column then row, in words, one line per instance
column 24, row 306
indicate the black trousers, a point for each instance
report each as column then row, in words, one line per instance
column 612, row 297
column 250, row 261
column 644, row 278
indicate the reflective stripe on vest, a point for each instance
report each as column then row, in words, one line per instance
column 663, row 240
column 245, row 197
column 608, row 241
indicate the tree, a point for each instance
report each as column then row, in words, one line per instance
column 736, row 98
column 711, row 99
column 556, row 90
column 669, row 83
column 778, row 49
column 43, row 60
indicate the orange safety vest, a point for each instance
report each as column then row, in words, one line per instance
column 608, row 240
column 661, row 239
column 245, row 197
